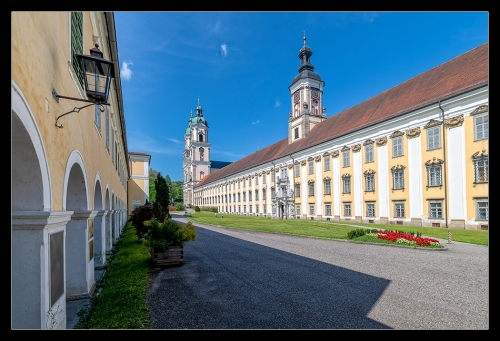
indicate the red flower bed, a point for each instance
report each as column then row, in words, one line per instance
column 395, row 236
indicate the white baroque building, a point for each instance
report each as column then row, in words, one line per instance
column 416, row 154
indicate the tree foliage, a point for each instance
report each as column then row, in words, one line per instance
column 138, row 217
column 152, row 191
column 162, row 201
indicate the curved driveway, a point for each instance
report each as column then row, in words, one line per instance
column 234, row 279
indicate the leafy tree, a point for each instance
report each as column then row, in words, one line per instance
column 139, row 216
column 170, row 188
column 161, row 204
column 152, row 191
column 177, row 191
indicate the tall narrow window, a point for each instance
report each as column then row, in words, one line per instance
column 346, row 160
column 112, row 145
column 256, row 180
column 107, row 128
column 370, row 209
column 77, row 43
column 398, row 177
column 97, row 117
column 399, row 210
column 297, row 209
column 297, row 190
column 311, row 167
column 347, row 210
column 435, row 210
column 264, row 177
column 202, row 175
column 245, row 196
column 481, row 169
column 328, row 209
column 297, row 170
column 256, row 194
column 272, row 175
column 434, row 138
column 482, row 210
column 434, row 173
column 397, row 146
column 481, row 127
column 311, row 209
column 311, row 188
column 327, row 186
column 369, row 181
column 273, row 192
column 369, row 153
column 346, row 183
column 250, row 195
column 296, row 133
column 326, row 159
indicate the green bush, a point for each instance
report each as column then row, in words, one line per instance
column 214, row 209
column 179, row 206
column 139, row 216
column 356, row 233
column 162, row 235
column 197, row 209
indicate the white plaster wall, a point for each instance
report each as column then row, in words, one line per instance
column 415, row 176
column 336, row 186
column 455, row 173
column 358, row 184
column 319, row 189
column 383, row 181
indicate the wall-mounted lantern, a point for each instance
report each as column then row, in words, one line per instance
column 97, row 74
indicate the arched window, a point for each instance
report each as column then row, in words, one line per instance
column 200, row 137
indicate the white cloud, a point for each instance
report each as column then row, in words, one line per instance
column 256, row 122
column 125, row 72
column 277, row 103
column 223, row 48
column 173, row 140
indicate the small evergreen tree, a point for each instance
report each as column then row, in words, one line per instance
column 161, row 204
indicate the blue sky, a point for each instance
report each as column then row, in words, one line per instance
column 240, row 64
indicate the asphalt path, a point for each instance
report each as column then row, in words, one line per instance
column 235, row 279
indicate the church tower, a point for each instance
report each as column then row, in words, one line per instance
column 196, row 163
column 306, row 93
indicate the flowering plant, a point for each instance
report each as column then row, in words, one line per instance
column 405, row 238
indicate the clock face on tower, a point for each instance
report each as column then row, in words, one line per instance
column 296, row 97
column 314, row 93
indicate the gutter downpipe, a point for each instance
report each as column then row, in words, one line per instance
column 444, row 169
column 293, row 178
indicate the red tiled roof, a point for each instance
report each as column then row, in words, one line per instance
column 464, row 73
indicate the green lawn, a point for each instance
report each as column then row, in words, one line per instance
column 329, row 229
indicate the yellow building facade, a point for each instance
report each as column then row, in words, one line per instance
column 69, row 163
column 416, row 154
column 138, row 185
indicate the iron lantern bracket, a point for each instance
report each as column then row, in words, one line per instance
column 75, row 109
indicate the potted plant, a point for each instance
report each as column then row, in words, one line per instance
column 166, row 240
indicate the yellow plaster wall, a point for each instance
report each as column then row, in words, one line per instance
column 40, row 62
column 370, row 196
column 399, row 194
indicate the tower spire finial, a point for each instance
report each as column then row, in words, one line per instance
column 198, row 100
column 305, row 38
column 191, row 113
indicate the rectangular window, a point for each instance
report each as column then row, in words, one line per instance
column 273, row 192
column 264, row 178
column 327, row 163
column 346, row 184
column 327, row 186
column 399, row 210
column 239, row 197
column 297, row 190
column 77, row 43
column 397, row 179
column 296, row 133
column 265, row 209
column 481, row 127
column 244, row 209
column 434, row 175
column 369, row 153
column 107, row 128
column 433, row 138
column 256, row 194
column 244, row 196
column 311, row 188
column 297, row 170
column 239, row 182
column 435, row 210
column 370, row 209
column 112, row 145
column 272, row 175
column 347, row 210
column 311, row 209
column 397, row 146
column 311, row 167
column 369, row 182
column 481, row 169
column 328, row 209
column 346, row 160
column 297, row 209
column 257, row 180
column 97, row 117
column 250, row 208
column 250, row 195
column 482, row 210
